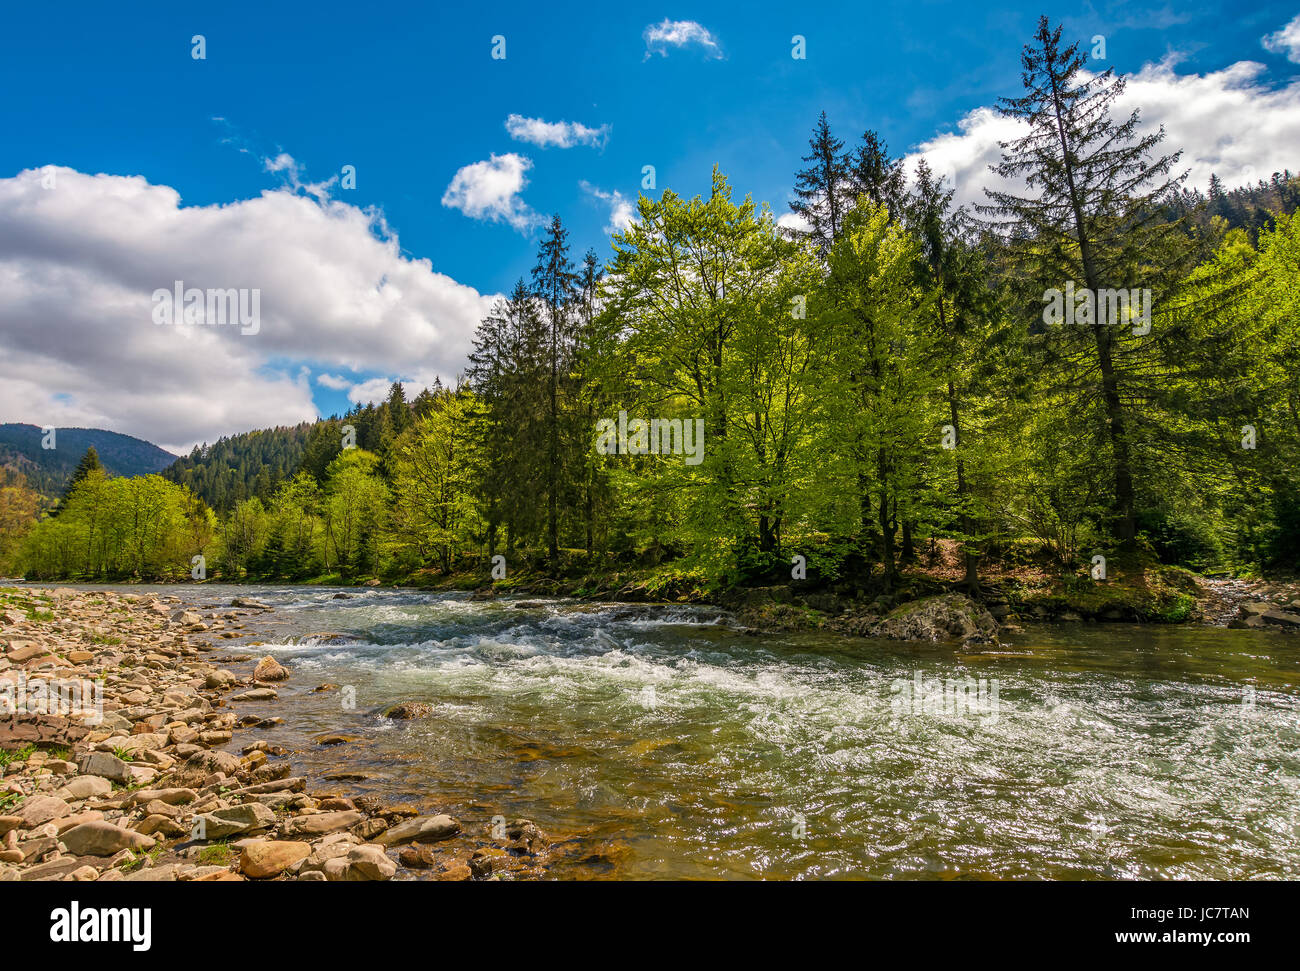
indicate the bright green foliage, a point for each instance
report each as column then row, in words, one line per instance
column 119, row 527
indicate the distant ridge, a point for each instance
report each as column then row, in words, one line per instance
column 47, row 470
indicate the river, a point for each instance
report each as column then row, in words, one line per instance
column 667, row 743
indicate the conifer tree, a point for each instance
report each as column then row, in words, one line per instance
column 555, row 283
column 823, row 190
column 1091, row 214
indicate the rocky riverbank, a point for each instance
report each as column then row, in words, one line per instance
column 931, row 611
column 124, row 756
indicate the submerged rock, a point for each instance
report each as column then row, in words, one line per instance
column 409, row 709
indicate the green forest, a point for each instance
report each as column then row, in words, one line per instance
column 887, row 383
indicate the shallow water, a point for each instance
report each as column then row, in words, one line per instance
column 666, row 743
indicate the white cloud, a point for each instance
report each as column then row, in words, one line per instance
column 286, row 165
column 793, row 222
column 679, row 33
column 1285, row 41
column 561, row 134
column 490, row 190
column 1226, row 122
column 334, row 382
column 622, row 210
column 376, row 389
column 79, row 264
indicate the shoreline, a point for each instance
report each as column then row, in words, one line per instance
column 1150, row 594
column 174, row 783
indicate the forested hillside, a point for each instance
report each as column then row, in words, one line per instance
column 47, row 469
column 241, row 466
column 1100, row 361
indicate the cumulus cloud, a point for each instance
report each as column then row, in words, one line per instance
column 1285, row 41
column 334, row 382
column 679, row 33
column 79, row 264
column 793, row 222
column 490, row 190
column 561, row 134
column 1227, row 122
column 376, row 389
column 622, row 210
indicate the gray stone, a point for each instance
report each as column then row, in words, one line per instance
column 318, row 824
column 221, row 823
column 85, row 787
column 41, row 809
column 107, row 765
column 422, row 829
column 1282, row 618
column 103, row 839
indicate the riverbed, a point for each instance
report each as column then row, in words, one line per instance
column 669, row 743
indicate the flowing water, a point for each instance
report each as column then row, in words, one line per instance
column 684, row 747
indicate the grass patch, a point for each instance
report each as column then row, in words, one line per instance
column 123, row 754
column 16, row 755
column 216, row 854
column 138, row 858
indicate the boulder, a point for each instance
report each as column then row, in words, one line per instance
column 172, row 797
column 39, row 810
column 951, row 616
column 257, row 694
column 422, row 829
column 269, row 669
column 269, row 858
column 368, row 862
column 318, row 824
column 220, row 678
column 221, row 823
column 103, row 839
column 106, row 765
column 25, row 651
column 1281, row 618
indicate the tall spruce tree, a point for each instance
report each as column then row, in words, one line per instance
column 555, row 285
column 873, row 173
column 823, row 193
column 1092, row 213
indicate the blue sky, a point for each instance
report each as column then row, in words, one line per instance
column 409, row 95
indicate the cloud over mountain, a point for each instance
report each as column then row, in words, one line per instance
column 81, row 259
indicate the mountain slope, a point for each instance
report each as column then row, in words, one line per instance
column 242, row 466
column 47, row 470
